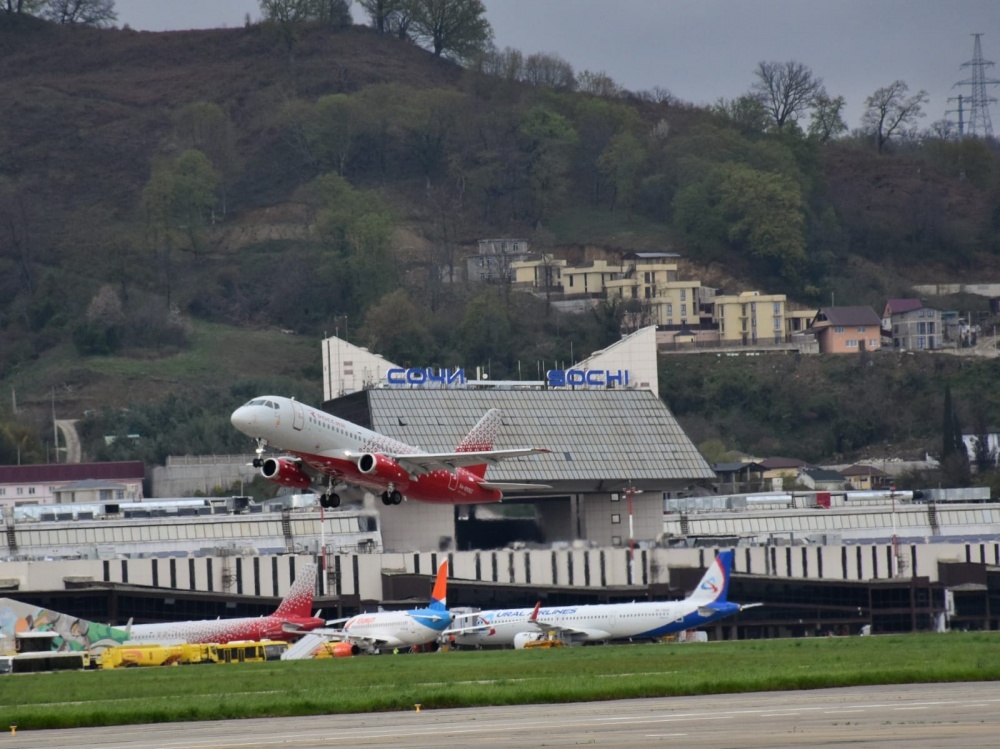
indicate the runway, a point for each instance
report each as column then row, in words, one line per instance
column 915, row 716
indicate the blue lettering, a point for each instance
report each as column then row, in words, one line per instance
column 556, row 378
column 457, row 376
column 395, row 376
column 613, row 378
column 416, row 376
column 595, row 377
column 575, row 377
column 439, row 377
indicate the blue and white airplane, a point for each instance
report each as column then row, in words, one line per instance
column 572, row 625
column 382, row 630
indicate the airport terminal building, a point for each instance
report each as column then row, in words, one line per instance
column 605, row 525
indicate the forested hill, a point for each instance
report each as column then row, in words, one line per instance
column 164, row 194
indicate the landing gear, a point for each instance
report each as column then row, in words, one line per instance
column 329, row 499
column 392, row 498
column 258, row 461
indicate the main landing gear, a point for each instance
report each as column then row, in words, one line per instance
column 329, row 499
column 392, row 498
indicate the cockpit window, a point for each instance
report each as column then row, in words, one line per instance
column 271, row 404
column 256, row 402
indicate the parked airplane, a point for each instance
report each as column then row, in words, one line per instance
column 383, row 630
column 602, row 622
column 292, row 618
column 323, row 446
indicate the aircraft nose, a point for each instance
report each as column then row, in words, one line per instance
column 244, row 419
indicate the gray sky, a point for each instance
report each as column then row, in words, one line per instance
column 702, row 50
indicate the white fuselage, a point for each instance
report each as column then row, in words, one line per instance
column 589, row 623
column 396, row 629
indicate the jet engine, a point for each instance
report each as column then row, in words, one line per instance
column 345, row 649
column 521, row 639
column 286, row 473
column 374, row 464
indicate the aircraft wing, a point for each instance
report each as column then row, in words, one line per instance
column 418, row 463
column 563, row 632
column 510, row 486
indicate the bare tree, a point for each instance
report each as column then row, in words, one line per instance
column 890, row 110
column 21, row 7
column 381, row 13
column 786, row 89
column 542, row 69
column 100, row 13
column 598, row 84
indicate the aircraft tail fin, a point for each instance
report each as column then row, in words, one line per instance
column 481, row 438
column 714, row 586
column 439, row 596
column 299, row 600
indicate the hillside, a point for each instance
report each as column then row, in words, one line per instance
column 169, row 202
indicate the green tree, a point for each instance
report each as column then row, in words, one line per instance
column 827, row 117
column 287, row 16
column 766, row 214
column 178, row 200
column 745, row 113
column 547, row 141
column 331, row 130
column 204, row 126
column 483, row 337
column 454, row 28
column 620, row 163
column 397, row 329
column 22, row 7
column 381, row 13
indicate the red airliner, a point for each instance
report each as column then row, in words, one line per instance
column 326, row 452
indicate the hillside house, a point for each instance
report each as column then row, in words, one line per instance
column 912, row 325
column 847, row 330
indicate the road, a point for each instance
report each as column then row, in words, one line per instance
column 911, row 716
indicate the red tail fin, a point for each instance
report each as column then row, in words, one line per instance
column 481, row 438
column 299, row 601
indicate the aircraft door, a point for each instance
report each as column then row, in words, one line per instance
column 298, row 417
column 452, row 481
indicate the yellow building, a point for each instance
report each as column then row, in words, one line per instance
column 589, row 278
column 750, row 317
column 538, row 273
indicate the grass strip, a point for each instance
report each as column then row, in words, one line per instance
column 469, row 678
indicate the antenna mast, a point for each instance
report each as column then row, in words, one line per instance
column 977, row 100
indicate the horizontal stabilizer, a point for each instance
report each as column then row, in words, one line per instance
column 508, row 486
column 418, row 463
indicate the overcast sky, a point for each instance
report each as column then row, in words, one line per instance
column 701, row 50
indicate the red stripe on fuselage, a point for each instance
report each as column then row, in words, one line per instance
column 437, row 487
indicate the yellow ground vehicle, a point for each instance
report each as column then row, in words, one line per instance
column 240, row 652
column 129, row 656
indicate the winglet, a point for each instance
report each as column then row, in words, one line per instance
column 534, row 614
column 439, row 596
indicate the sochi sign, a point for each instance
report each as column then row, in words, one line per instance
column 424, row 377
column 594, row 378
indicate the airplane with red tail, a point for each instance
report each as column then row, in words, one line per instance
column 326, row 453
column 291, row 619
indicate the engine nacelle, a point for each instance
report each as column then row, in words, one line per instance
column 521, row 639
column 286, row 473
column 345, row 649
column 373, row 464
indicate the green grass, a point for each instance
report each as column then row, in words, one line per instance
column 468, row 679
column 217, row 355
